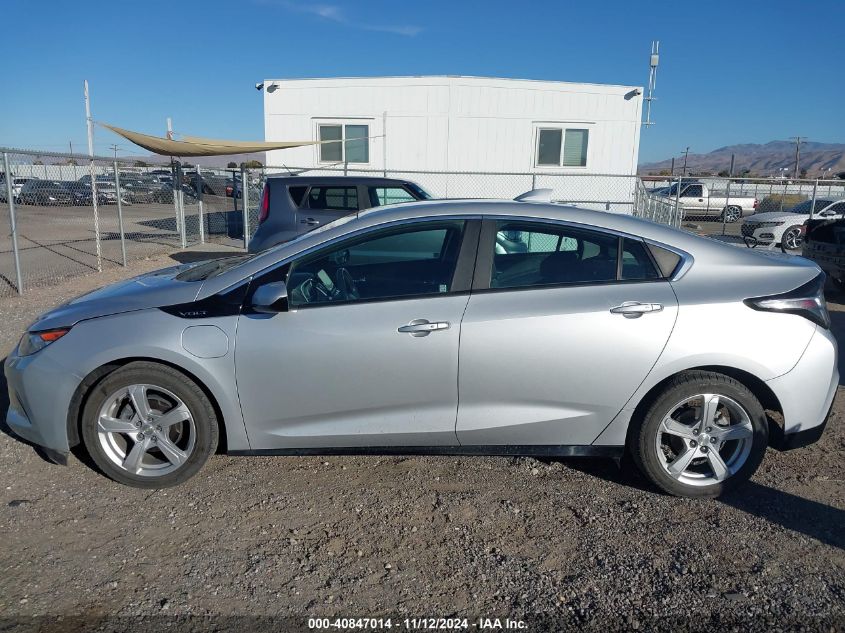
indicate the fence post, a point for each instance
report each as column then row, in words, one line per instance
column 245, row 198
column 183, row 229
column 120, row 214
column 727, row 204
column 678, row 195
column 11, row 197
column 96, row 208
column 813, row 203
column 199, row 203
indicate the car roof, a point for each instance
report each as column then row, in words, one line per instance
column 701, row 249
column 337, row 180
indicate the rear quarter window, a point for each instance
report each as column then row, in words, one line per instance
column 297, row 193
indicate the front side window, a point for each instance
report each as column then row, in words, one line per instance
column 557, row 147
column 693, row 191
column 381, row 196
column 344, row 143
column 333, row 198
column 528, row 254
column 408, row 261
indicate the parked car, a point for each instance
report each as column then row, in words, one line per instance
column 824, row 243
column 46, row 192
column 784, row 227
column 619, row 335
column 699, row 201
column 292, row 205
column 212, row 184
column 17, row 185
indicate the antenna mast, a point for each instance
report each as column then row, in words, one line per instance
column 654, row 60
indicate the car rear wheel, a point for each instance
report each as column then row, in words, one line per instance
column 149, row 426
column 792, row 240
column 731, row 214
column 704, row 435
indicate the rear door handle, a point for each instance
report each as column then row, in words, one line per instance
column 635, row 309
column 309, row 221
column 423, row 327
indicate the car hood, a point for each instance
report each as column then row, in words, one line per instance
column 151, row 290
column 777, row 216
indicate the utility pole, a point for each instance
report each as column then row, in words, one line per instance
column 70, row 145
column 798, row 140
column 114, row 146
column 684, row 170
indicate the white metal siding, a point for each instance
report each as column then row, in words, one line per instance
column 456, row 123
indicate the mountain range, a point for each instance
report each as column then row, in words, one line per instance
column 819, row 159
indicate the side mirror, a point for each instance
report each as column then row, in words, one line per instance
column 271, row 298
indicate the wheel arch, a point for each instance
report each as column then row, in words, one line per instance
column 758, row 387
column 85, row 388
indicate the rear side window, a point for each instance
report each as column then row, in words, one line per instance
column 666, row 260
column 333, row 198
column 636, row 263
column 297, row 193
column 538, row 255
column 380, row 196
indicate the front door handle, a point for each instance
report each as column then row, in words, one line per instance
column 423, row 327
column 309, row 221
column 635, row 309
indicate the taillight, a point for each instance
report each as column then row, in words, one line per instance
column 265, row 204
column 756, row 202
column 806, row 301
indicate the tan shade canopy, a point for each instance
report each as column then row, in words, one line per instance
column 196, row 146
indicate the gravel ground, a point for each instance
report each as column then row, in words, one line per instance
column 252, row 541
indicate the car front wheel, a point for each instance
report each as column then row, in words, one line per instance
column 792, row 240
column 149, row 426
column 705, row 434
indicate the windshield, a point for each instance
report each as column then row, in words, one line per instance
column 212, row 268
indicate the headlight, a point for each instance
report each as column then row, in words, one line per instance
column 32, row 342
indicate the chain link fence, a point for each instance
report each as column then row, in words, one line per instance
column 71, row 215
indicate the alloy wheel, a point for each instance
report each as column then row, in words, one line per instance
column 792, row 240
column 704, row 439
column 146, row 430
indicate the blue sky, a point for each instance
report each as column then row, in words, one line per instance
column 731, row 72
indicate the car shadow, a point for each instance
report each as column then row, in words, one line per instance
column 811, row 518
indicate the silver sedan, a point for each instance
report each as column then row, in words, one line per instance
column 451, row 327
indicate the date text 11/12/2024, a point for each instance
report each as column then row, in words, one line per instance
column 418, row 624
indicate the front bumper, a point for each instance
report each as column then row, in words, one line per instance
column 40, row 391
column 806, row 393
column 762, row 234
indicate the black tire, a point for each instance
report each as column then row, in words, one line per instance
column 150, row 373
column 785, row 238
column 642, row 438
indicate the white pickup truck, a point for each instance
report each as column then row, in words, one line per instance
column 699, row 201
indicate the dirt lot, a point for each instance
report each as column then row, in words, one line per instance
column 573, row 542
